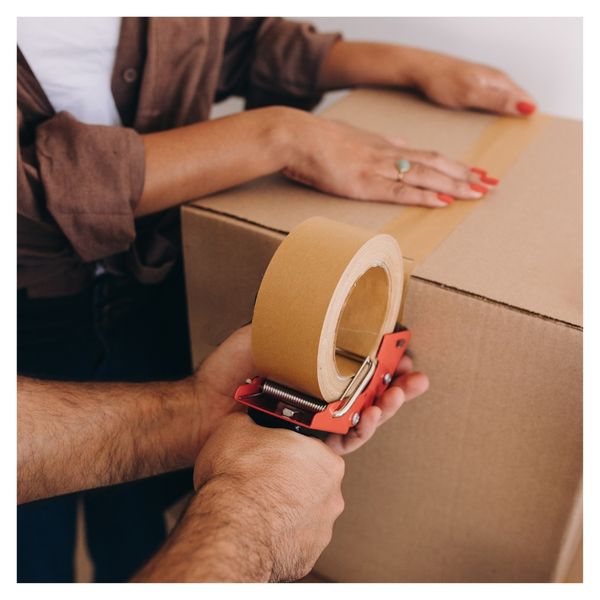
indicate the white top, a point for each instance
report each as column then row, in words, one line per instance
column 73, row 58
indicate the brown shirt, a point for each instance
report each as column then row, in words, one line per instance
column 78, row 184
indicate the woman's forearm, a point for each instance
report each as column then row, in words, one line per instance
column 350, row 64
column 199, row 159
column 75, row 436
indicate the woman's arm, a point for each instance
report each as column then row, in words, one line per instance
column 444, row 79
column 200, row 159
column 209, row 156
column 193, row 161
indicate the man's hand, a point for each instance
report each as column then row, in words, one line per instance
column 407, row 385
column 231, row 364
column 289, row 487
column 266, row 498
column 266, row 503
column 215, row 382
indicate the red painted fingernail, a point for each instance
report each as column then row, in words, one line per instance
column 445, row 198
column 490, row 180
column 478, row 171
column 525, row 108
column 479, row 188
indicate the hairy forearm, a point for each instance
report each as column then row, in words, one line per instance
column 199, row 159
column 351, row 64
column 217, row 540
column 74, row 436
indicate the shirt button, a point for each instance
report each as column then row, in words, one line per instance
column 130, row 75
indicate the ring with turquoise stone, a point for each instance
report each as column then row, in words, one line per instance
column 402, row 167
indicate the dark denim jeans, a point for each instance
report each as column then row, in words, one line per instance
column 117, row 330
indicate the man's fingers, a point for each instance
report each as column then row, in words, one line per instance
column 357, row 436
column 389, row 403
column 230, row 363
column 404, row 388
column 404, row 366
column 412, row 384
column 365, row 429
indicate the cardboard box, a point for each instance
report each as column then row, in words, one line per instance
column 480, row 479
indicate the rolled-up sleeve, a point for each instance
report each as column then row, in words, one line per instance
column 270, row 60
column 90, row 179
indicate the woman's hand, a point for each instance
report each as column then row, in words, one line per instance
column 461, row 84
column 443, row 79
column 343, row 160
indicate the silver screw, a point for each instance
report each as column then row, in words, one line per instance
column 387, row 379
column 355, row 419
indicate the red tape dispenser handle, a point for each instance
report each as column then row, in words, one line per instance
column 274, row 405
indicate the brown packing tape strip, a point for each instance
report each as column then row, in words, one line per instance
column 328, row 285
column 420, row 230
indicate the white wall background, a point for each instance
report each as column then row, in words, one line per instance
column 542, row 54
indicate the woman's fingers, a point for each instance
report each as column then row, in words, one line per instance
column 498, row 93
column 504, row 101
column 396, row 140
column 400, row 192
column 431, row 189
column 438, row 161
column 426, row 177
column 452, row 168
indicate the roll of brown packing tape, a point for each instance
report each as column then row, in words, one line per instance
column 328, row 285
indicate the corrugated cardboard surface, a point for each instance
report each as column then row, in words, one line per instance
column 479, row 479
column 524, row 246
column 224, row 262
column 475, row 481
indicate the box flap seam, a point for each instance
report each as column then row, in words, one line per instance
column 498, row 302
column 238, row 218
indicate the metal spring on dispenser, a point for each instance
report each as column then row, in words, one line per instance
column 286, row 395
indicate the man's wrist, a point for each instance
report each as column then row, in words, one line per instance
column 219, row 539
column 182, row 422
column 238, row 531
